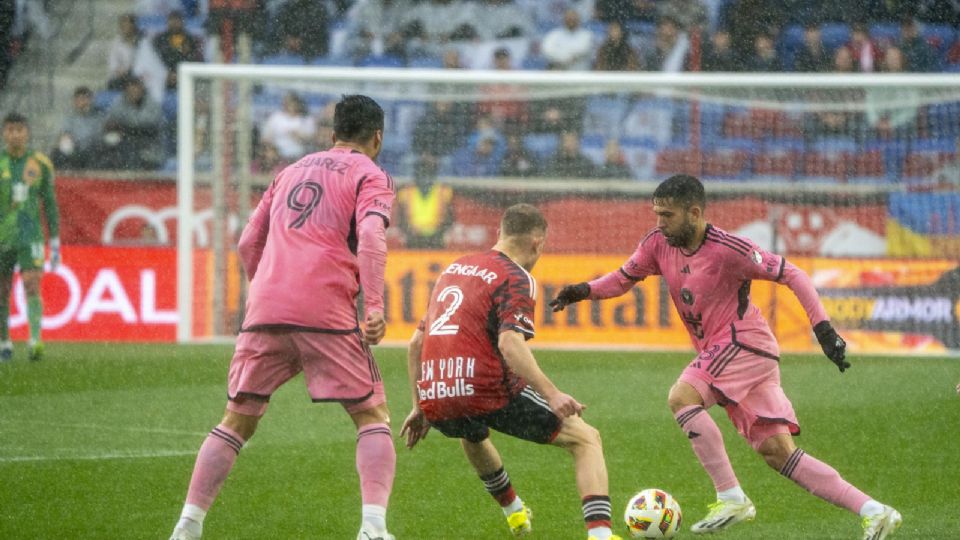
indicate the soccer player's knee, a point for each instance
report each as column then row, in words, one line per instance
column 581, row 433
column 776, row 451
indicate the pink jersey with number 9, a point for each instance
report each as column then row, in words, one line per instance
column 307, row 275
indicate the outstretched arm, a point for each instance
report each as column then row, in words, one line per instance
column 513, row 347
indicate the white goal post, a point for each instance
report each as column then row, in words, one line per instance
column 229, row 110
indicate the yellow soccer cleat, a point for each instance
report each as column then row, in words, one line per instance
column 519, row 522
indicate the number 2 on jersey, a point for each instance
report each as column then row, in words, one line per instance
column 314, row 193
column 440, row 326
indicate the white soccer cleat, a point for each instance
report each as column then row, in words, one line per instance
column 519, row 522
column 879, row 526
column 367, row 532
column 723, row 514
column 183, row 534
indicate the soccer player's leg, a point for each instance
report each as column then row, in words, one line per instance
column 8, row 259
column 376, row 461
column 261, row 363
column 340, row 367
column 31, row 273
column 474, row 436
column 689, row 400
column 528, row 417
column 770, row 423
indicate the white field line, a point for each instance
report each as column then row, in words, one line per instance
column 101, row 427
column 99, row 457
column 74, row 455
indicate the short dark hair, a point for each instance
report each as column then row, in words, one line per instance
column 14, row 118
column 82, row 91
column 522, row 219
column 356, row 118
column 682, row 189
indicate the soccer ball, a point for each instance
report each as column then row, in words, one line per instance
column 652, row 513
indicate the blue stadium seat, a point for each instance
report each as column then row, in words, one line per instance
column 330, row 61
column 283, row 59
column 541, row 145
column 156, row 23
column 386, row 60
column 885, row 33
column 169, row 106
column 834, row 35
column 425, row 62
column 943, row 119
column 105, row 99
column 940, row 36
column 604, row 114
column 533, row 62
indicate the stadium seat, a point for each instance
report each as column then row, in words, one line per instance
column 430, row 62
column 533, row 62
column 943, row 120
column 831, row 158
column 868, row 167
column 169, row 106
column 105, row 99
column 604, row 114
column 383, row 61
column 728, row 159
column 928, row 155
column 678, row 160
column 330, row 61
column 283, row 59
column 834, row 35
column 541, row 145
column 939, row 36
column 778, row 159
column 885, row 33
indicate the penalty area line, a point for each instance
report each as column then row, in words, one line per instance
column 99, row 457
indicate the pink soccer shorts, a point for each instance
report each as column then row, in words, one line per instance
column 336, row 367
column 747, row 385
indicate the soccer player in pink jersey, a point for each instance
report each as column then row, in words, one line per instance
column 316, row 237
column 708, row 272
column 471, row 370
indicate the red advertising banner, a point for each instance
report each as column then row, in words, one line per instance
column 105, row 294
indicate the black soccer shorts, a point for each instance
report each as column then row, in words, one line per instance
column 527, row 416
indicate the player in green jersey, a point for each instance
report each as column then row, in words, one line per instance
column 26, row 181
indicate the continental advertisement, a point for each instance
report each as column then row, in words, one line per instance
column 879, row 306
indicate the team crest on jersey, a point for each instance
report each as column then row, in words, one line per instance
column 31, row 172
column 686, row 296
column 757, row 258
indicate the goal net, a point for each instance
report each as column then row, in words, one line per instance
column 853, row 178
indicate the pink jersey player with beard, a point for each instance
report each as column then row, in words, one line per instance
column 710, row 288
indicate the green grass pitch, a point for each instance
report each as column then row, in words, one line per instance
column 98, row 441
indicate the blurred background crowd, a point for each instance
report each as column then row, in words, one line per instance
column 125, row 118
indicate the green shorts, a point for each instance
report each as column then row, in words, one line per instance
column 29, row 256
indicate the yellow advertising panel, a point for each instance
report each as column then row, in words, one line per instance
column 861, row 297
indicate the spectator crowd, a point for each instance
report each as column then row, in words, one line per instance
column 117, row 125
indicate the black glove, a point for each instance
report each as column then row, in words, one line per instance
column 569, row 295
column 833, row 345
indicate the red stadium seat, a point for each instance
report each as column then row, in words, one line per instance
column 820, row 166
column 776, row 164
column 678, row 161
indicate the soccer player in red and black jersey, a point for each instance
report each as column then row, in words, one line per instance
column 471, row 370
column 708, row 272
